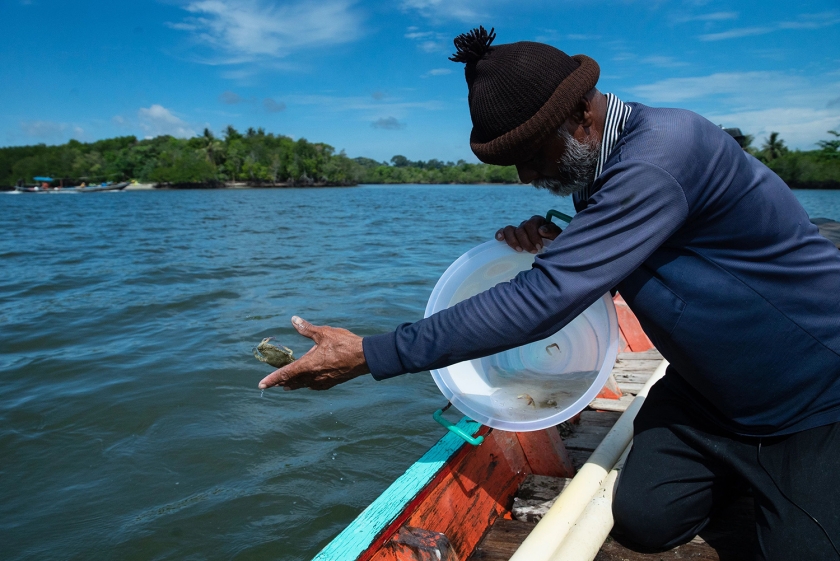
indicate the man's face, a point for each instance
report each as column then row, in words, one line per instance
column 563, row 164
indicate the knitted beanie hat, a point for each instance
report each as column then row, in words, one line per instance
column 519, row 93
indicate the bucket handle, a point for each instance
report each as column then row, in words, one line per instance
column 556, row 213
column 438, row 416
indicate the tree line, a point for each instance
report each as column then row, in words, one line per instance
column 801, row 169
column 261, row 158
column 254, row 157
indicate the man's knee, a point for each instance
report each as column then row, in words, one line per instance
column 646, row 528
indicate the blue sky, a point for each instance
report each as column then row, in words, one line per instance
column 373, row 79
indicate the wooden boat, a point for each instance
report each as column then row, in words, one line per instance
column 44, row 187
column 461, row 502
column 28, row 189
column 464, row 502
column 107, row 187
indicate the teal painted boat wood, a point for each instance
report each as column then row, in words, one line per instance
column 371, row 522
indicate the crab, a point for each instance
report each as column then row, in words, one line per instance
column 528, row 400
column 273, row 355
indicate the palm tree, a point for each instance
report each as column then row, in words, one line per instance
column 774, row 147
column 831, row 147
column 746, row 144
column 212, row 146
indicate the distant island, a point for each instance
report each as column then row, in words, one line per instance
column 261, row 159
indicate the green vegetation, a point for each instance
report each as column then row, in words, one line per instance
column 812, row 169
column 255, row 157
column 403, row 170
column 261, row 158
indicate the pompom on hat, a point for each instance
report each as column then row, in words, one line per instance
column 519, row 93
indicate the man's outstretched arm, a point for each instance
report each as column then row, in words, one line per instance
column 637, row 210
column 338, row 354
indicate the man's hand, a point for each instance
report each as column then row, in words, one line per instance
column 528, row 236
column 336, row 358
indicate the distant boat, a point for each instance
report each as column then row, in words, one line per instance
column 35, row 189
column 109, row 187
column 45, row 187
column 42, row 186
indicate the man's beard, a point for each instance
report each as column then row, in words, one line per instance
column 576, row 169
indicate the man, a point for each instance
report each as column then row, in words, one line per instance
column 719, row 262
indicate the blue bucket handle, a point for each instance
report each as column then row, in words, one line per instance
column 438, row 416
column 557, row 214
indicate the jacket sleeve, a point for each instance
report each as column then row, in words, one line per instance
column 637, row 208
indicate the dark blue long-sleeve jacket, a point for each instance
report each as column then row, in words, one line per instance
column 711, row 251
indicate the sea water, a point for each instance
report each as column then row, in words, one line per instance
column 131, row 426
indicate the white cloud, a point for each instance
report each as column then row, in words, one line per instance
column 243, row 76
column 366, row 109
column 713, row 16
column 734, row 85
column 663, row 61
column 803, row 21
column 182, row 26
column 437, row 72
column 798, row 107
column 50, row 130
column 419, row 34
column 463, row 10
column 738, row 32
column 799, row 127
column 431, row 46
column 430, row 41
column 336, row 103
column 158, row 120
column 250, row 30
column 554, row 36
column 812, row 21
column 582, row 37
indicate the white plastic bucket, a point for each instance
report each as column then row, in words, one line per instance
column 534, row 386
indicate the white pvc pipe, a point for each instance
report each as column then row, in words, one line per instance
column 585, row 538
column 548, row 534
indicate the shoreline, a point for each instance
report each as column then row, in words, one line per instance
column 243, row 185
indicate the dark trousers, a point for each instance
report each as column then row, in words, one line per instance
column 682, row 468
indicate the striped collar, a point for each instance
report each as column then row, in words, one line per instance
column 617, row 114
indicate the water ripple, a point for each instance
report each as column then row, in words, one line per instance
column 130, row 422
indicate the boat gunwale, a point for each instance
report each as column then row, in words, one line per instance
column 370, row 529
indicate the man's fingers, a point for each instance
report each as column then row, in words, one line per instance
column 529, row 234
column 532, row 227
column 549, row 230
column 509, row 233
column 524, row 241
column 304, row 327
column 282, row 375
column 275, row 378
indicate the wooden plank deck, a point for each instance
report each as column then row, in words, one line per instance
column 729, row 536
